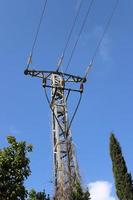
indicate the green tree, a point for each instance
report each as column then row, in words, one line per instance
column 14, row 170
column 123, row 179
column 86, row 195
column 33, row 195
column 80, row 194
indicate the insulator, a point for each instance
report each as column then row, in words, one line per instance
column 81, row 87
column 44, row 83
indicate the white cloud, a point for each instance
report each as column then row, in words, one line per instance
column 101, row 190
column 93, row 38
column 104, row 48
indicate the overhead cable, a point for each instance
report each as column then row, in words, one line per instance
column 79, row 34
column 75, row 112
column 104, row 32
column 69, row 35
column 37, row 33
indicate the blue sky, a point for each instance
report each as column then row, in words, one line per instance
column 108, row 96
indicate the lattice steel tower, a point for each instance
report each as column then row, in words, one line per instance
column 66, row 172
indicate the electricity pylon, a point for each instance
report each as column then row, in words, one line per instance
column 66, row 172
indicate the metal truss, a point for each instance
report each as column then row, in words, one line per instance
column 66, row 172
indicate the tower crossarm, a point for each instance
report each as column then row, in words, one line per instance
column 67, row 79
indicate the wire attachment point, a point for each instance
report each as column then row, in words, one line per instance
column 60, row 62
column 81, row 87
column 29, row 60
column 44, row 82
column 88, row 70
column 26, row 71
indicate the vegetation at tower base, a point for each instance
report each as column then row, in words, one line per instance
column 33, row 195
column 14, row 170
column 79, row 194
column 123, row 179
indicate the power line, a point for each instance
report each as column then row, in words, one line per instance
column 75, row 112
column 37, row 33
column 79, row 34
column 69, row 35
column 104, row 32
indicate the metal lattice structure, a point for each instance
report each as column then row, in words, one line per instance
column 66, row 172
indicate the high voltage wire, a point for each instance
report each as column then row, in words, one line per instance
column 79, row 34
column 39, row 25
column 37, row 33
column 101, row 39
column 104, row 32
column 63, row 154
column 69, row 36
column 96, row 50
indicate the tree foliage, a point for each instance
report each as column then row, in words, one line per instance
column 14, row 170
column 123, row 179
column 33, row 195
column 79, row 194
